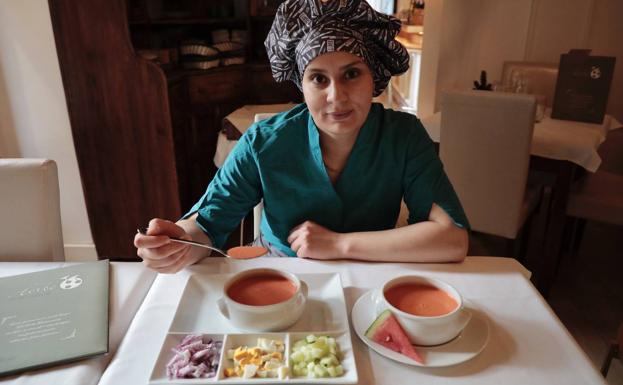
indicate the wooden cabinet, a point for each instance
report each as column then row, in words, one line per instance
column 217, row 86
column 200, row 99
column 210, row 96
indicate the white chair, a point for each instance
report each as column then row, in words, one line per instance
column 30, row 215
column 403, row 215
column 485, row 144
column 539, row 78
column 257, row 210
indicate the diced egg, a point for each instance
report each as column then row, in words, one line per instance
column 263, row 361
column 249, row 371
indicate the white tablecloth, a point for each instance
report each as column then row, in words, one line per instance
column 528, row 344
column 557, row 139
column 129, row 283
column 242, row 118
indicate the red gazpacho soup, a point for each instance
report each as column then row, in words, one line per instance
column 247, row 252
column 261, row 289
column 420, row 299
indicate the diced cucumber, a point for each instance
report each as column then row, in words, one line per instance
column 317, row 353
column 299, row 344
column 297, row 356
column 329, row 360
column 321, row 371
column 300, row 372
column 316, row 357
column 339, row 370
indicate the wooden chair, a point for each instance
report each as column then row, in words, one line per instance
column 257, row 210
column 597, row 196
column 614, row 352
column 30, row 215
column 485, row 144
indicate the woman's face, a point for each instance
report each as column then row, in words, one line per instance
column 338, row 89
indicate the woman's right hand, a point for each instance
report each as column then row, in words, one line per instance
column 158, row 252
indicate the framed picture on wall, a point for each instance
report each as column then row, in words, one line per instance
column 582, row 87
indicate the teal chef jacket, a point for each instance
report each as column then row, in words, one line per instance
column 279, row 161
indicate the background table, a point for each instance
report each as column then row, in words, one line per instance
column 129, row 283
column 576, row 142
column 527, row 345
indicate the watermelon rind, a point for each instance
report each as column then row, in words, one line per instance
column 387, row 331
column 377, row 323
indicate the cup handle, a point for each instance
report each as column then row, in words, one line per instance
column 222, row 307
column 377, row 301
column 464, row 318
column 302, row 296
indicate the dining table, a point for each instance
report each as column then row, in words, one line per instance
column 526, row 344
column 129, row 282
column 560, row 150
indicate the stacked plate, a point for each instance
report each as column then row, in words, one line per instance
column 197, row 54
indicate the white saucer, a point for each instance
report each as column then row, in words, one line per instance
column 466, row 346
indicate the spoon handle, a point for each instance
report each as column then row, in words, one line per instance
column 193, row 243
column 178, row 240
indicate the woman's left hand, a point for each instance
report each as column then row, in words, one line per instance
column 310, row 240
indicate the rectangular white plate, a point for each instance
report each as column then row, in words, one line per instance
column 197, row 313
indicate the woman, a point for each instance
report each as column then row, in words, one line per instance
column 332, row 171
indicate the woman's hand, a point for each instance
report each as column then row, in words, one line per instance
column 157, row 250
column 310, row 240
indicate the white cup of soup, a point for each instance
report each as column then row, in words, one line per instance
column 430, row 311
column 263, row 299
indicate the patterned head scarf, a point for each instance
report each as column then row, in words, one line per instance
column 305, row 29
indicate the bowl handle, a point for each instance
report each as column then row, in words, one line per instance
column 302, row 296
column 222, row 307
column 464, row 318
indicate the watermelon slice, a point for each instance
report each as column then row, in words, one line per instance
column 386, row 331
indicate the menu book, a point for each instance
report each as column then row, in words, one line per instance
column 582, row 86
column 53, row 316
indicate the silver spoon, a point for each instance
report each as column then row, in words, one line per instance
column 178, row 240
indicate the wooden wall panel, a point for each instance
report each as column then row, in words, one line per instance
column 120, row 121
